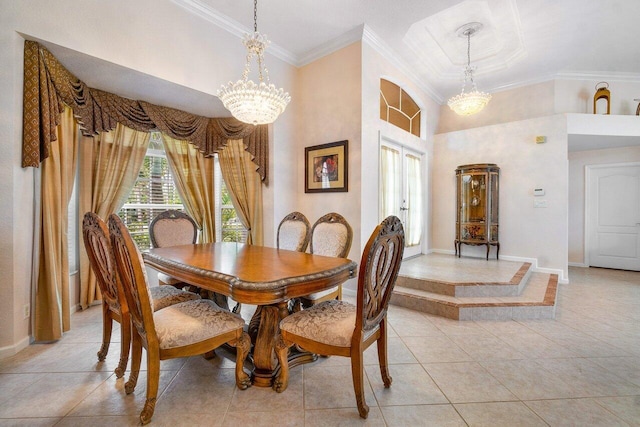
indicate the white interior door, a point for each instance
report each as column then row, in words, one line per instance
column 613, row 216
column 401, row 191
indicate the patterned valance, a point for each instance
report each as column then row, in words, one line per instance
column 48, row 85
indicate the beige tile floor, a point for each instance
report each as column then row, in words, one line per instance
column 581, row 369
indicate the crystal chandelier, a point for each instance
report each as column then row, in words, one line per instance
column 247, row 101
column 467, row 103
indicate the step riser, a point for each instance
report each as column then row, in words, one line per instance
column 545, row 309
column 472, row 313
column 424, row 305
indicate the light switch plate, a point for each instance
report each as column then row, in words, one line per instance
column 539, row 203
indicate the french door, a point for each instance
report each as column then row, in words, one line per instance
column 402, row 191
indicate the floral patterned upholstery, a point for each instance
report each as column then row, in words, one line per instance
column 172, row 232
column 329, row 239
column 164, row 296
column 330, row 322
column 292, row 235
column 193, row 321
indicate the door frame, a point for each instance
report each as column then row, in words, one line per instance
column 423, row 161
column 587, row 201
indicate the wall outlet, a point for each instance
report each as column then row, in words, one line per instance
column 539, row 203
column 26, row 310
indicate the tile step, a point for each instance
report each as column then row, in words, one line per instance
column 470, row 289
column 537, row 301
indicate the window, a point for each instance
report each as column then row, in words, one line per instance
column 398, row 108
column 153, row 192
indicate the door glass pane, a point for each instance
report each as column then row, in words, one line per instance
column 413, row 229
column 390, row 185
column 494, row 198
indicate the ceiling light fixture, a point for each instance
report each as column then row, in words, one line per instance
column 247, row 101
column 467, row 103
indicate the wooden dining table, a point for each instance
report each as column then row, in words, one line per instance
column 255, row 275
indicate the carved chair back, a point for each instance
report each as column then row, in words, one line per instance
column 293, row 232
column 96, row 242
column 379, row 268
column 331, row 235
column 131, row 270
column 171, row 228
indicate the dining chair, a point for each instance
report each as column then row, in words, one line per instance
column 331, row 235
column 342, row 329
column 114, row 304
column 171, row 228
column 187, row 329
column 293, row 232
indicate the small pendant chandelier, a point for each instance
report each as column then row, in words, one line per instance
column 247, row 101
column 467, row 103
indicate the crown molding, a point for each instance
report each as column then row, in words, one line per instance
column 344, row 40
column 232, row 26
column 383, row 49
column 612, row 76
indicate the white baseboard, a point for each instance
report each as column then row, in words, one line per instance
column 12, row 350
column 578, row 264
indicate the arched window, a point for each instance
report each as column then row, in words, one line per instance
column 398, row 108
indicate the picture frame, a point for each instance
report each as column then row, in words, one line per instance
column 326, row 168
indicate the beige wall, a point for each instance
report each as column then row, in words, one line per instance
column 525, row 231
column 328, row 110
column 576, row 96
column 577, row 163
column 505, row 106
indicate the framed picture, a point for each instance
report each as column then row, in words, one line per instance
column 326, row 167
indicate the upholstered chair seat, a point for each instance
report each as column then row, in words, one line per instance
column 188, row 322
column 165, row 296
column 330, row 322
column 338, row 328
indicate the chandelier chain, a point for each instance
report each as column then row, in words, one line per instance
column 468, row 48
column 255, row 16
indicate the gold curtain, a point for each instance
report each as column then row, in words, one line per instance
column 243, row 182
column 52, row 310
column 109, row 165
column 48, row 84
column 193, row 176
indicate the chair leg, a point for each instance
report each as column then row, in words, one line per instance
column 107, row 325
column 125, row 344
column 382, row 354
column 136, row 356
column 281, row 382
column 243, row 345
column 357, row 373
column 153, row 380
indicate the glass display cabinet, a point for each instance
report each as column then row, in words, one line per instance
column 477, row 206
